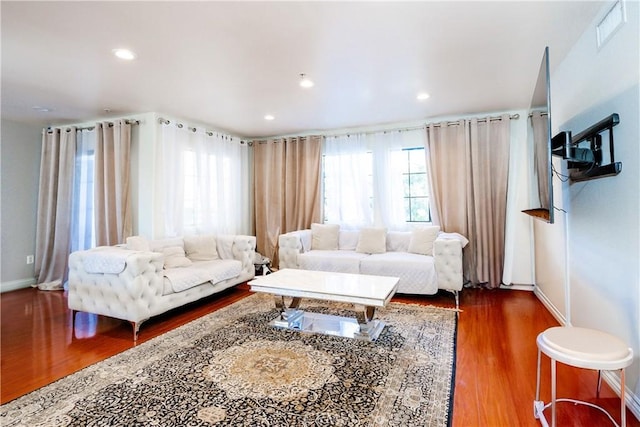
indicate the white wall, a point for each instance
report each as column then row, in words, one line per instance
column 20, row 146
column 599, row 235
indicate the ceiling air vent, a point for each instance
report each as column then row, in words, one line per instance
column 611, row 22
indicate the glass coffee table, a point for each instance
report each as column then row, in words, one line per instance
column 360, row 289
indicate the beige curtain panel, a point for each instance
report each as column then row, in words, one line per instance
column 53, row 222
column 112, row 200
column 468, row 163
column 287, row 189
column 112, row 192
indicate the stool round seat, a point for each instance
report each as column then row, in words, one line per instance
column 581, row 348
column 585, row 348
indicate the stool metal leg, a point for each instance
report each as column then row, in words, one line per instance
column 553, row 392
column 538, row 379
column 538, row 405
column 623, row 407
column 599, row 383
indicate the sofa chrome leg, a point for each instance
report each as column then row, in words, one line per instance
column 136, row 328
column 456, row 295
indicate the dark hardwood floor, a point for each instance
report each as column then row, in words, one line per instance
column 495, row 369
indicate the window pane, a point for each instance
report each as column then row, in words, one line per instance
column 408, row 163
column 417, row 160
column 407, row 187
column 420, row 209
column 419, row 185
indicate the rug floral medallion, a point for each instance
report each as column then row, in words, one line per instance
column 231, row 368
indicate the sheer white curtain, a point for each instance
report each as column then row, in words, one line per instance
column 363, row 178
column 204, row 182
column 171, row 153
column 348, row 181
column 389, row 164
column 82, row 218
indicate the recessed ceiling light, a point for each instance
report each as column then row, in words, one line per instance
column 422, row 96
column 41, row 109
column 125, row 54
column 305, row 81
column 269, row 117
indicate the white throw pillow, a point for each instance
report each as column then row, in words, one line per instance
column 422, row 239
column 372, row 240
column 174, row 256
column 201, row 248
column 138, row 243
column 324, row 236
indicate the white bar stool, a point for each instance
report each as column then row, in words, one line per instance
column 582, row 348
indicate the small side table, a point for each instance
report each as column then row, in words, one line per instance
column 263, row 267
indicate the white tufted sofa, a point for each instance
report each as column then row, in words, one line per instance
column 141, row 289
column 419, row 274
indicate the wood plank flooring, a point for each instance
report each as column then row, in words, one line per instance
column 495, row 369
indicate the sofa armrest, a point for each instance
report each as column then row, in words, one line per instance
column 290, row 245
column 239, row 247
column 447, row 255
column 125, row 295
column 244, row 250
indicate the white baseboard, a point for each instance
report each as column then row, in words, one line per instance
column 549, row 305
column 518, row 287
column 631, row 399
column 13, row 285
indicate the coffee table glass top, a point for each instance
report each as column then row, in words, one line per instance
column 354, row 288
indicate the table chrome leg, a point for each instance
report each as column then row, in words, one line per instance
column 365, row 316
column 369, row 329
column 290, row 313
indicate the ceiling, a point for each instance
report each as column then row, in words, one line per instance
column 227, row 64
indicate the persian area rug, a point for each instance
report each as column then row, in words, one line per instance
column 231, row 368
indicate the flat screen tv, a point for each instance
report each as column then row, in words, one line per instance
column 539, row 128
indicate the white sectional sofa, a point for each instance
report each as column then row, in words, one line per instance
column 424, row 259
column 144, row 278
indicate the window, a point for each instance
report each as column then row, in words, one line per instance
column 416, row 193
column 204, row 176
column 376, row 179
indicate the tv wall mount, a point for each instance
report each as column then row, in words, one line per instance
column 587, row 161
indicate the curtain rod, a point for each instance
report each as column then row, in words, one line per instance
column 452, row 123
column 164, row 121
column 493, row 119
column 127, row 121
